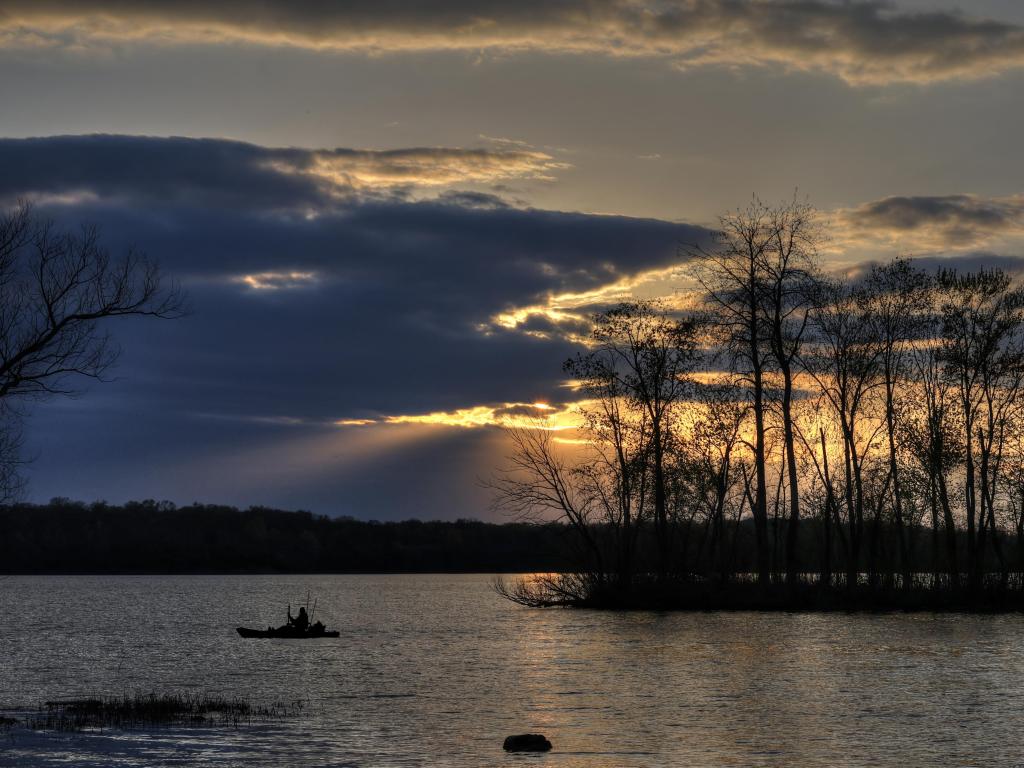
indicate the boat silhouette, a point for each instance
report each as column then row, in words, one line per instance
column 291, row 633
column 297, row 628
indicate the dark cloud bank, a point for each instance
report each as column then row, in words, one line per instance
column 367, row 303
column 319, row 296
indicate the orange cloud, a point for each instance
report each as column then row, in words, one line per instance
column 526, row 415
column 422, row 167
column 275, row 281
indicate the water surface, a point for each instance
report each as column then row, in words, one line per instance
column 436, row 670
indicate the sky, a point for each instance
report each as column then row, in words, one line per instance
column 393, row 219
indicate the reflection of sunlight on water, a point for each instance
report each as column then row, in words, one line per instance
column 436, row 671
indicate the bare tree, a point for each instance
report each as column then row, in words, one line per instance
column 895, row 299
column 982, row 322
column 790, row 290
column 713, row 449
column 1014, row 470
column 643, row 355
column 845, row 361
column 58, row 290
column 12, row 483
column 732, row 274
column 758, row 279
column 541, row 484
column 929, row 421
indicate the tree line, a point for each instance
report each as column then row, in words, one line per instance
column 66, row 536
column 868, row 427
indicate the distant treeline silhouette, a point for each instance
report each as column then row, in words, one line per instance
column 869, row 426
column 156, row 537
column 67, row 536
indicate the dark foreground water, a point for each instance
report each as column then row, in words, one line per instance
column 437, row 670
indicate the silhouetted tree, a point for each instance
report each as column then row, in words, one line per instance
column 732, row 274
column 846, row 365
column 714, row 449
column 642, row 355
column 929, row 421
column 789, row 293
column 894, row 299
column 982, row 348
column 57, row 291
column 540, row 483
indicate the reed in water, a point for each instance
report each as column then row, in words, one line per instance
column 145, row 710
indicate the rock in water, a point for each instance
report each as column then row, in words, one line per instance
column 527, row 742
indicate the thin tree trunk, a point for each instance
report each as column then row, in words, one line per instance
column 947, row 512
column 793, row 528
column 826, row 565
column 906, row 566
column 760, row 509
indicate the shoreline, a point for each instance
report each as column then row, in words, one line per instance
column 704, row 597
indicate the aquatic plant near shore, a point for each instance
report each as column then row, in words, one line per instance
column 151, row 709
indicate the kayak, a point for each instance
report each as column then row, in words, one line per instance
column 285, row 632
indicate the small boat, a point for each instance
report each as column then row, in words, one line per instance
column 297, row 628
column 290, row 633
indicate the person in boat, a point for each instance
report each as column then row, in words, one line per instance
column 300, row 622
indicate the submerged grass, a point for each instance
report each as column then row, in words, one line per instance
column 151, row 709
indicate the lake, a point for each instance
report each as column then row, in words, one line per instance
column 435, row 670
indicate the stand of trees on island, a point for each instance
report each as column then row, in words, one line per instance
column 786, row 438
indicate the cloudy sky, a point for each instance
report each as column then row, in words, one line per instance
column 393, row 217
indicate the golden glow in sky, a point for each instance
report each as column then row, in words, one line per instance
column 398, row 219
column 516, row 415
